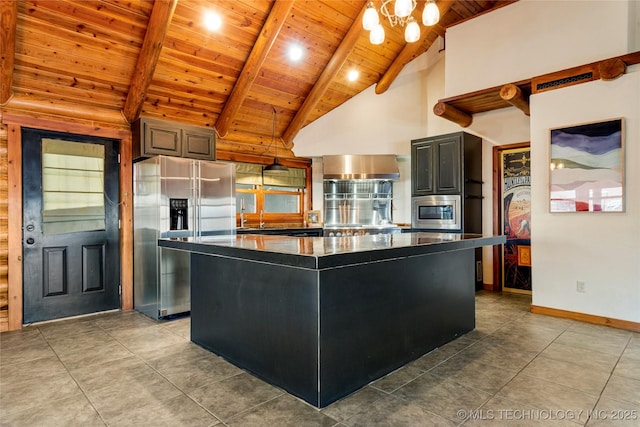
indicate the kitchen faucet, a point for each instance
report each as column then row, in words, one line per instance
column 261, row 222
column 242, row 219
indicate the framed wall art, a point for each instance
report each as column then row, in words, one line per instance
column 313, row 217
column 587, row 167
column 516, row 212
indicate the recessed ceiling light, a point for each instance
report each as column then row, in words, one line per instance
column 295, row 52
column 353, row 75
column 212, row 21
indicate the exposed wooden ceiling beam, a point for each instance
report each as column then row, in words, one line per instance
column 453, row 114
column 8, row 19
column 611, row 69
column 409, row 52
column 328, row 74
column 516, row 97
column 159, row 21
column 268, row 35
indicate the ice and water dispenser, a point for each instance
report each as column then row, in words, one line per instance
column 178, row 214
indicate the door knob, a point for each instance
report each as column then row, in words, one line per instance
column 30, row 241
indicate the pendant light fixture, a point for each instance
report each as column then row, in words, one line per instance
column 275, row 166
column 402, row 10
column 431, row 14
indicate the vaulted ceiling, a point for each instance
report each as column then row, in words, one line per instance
column 111, row 61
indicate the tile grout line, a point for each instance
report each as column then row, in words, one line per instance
column 74, row 378
column 161, row 375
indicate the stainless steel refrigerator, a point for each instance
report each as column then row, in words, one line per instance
column 175, row 197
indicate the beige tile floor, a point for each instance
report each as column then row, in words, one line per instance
column 516, row 368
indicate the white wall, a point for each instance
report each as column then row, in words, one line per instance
column 601, row 249
column 534, row 37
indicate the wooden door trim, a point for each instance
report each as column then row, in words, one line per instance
column 14, row 156
column 497, row 208
column 14, row 190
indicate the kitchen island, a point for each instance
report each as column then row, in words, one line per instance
column 323, row 316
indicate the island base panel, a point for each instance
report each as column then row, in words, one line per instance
column 261, row 317
column 374, row 318
column 323, row 334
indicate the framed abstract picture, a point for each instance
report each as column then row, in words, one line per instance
column 587, row 167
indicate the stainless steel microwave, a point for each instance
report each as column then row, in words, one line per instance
column 437, row 212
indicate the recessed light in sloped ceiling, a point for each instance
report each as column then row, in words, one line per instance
column 295, row 52
column 212, row 21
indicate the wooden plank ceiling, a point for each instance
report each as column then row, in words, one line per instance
column 110, row 61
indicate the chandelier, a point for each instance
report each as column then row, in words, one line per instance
column 402, row 10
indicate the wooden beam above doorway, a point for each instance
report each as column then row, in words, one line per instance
column 461, row 108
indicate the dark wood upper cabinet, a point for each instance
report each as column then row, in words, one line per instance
column 422, row 168
column 446, row 164
column 153, row 137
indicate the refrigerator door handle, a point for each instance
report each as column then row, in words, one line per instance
column 197, row 202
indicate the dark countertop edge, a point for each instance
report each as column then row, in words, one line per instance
column 288, row 259
column 317, row 262
column 276, row 230
column 376, row 255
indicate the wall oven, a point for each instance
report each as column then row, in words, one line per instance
column 437, row 212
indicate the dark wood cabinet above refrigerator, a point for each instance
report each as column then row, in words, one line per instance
column 446, row 164
column 153, row 137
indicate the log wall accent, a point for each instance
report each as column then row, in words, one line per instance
column 8, row 18
column 4, row 231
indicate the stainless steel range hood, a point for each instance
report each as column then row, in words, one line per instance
column 362, row 166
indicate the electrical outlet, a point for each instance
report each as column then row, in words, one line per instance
column 581, row 286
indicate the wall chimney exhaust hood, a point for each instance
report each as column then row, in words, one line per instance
column 362, row 166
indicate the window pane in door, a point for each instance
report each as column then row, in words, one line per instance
column 72, row 187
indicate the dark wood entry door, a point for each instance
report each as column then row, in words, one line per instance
column 70, row 225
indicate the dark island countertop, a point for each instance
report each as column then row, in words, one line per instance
column 329, row 252
column 295, row 231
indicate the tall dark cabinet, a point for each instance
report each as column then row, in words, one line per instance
column 451, row 164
